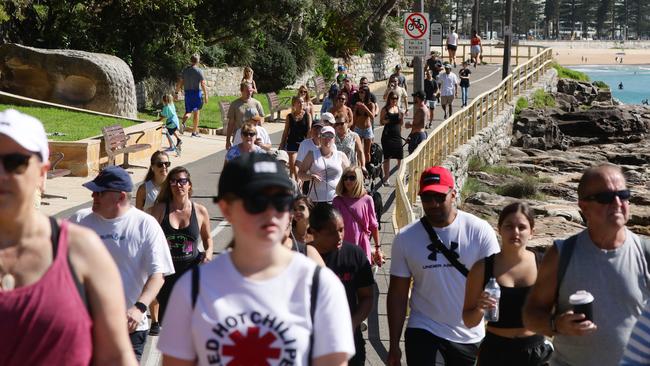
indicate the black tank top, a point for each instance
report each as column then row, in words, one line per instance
column 182, row 242
column 298, row 129
column 512, row 300
column 393, row 118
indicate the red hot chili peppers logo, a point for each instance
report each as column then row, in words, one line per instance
column 254, row 348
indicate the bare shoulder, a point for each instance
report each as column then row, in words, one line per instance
column 157, row 210
column 202, row 210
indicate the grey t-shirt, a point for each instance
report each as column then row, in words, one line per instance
column 238, row 109
column 192, row 77
column 618, row 280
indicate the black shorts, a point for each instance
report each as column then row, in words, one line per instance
column 421, row 347
column 451, row 47
column 528, row 351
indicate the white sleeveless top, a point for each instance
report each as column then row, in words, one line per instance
column 150, row 195
column 330, row 170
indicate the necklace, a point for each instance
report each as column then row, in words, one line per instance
column 7, row 280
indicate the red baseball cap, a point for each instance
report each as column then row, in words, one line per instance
column 436, row 179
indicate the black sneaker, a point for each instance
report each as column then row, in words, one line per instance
column 155, row 329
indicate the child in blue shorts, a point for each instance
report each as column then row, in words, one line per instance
column 169, row 112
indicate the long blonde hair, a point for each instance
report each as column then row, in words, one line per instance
column 248, row 73
column 307, row 97
column 357, row 190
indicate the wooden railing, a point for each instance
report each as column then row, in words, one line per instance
column 460, row 127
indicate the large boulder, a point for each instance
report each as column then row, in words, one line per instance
column 94, row 81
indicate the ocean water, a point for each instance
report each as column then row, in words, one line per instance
column 635, row 79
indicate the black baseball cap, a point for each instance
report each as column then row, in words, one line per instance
column 250, row 173
column 419, row 94
column 112, row 178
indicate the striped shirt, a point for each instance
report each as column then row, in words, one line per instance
column 637, row 351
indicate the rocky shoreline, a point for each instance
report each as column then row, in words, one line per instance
column 550, row 149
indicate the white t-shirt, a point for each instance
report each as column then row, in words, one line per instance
column 329, row 170
column 138, row 247
column 261, row 133
column 305, row 147
column 448, row 83
column 452, row 38
column 248, row 322
column 438, row 287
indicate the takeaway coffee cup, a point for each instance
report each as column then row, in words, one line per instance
column 582, row 302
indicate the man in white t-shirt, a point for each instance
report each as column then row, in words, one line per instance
column 448, row 85
column 452, row 45
column 136, row 243
column 435, row 321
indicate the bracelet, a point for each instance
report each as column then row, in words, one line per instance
column 142, row 307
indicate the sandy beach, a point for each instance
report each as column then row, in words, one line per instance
column 601, row 56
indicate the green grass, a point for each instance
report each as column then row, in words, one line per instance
column 471, row 186
column 522, row 103
column 566, row 73
column 601, row 84
column 542, row 99
column 211, row 113
column 521, row 185
column 71, row 125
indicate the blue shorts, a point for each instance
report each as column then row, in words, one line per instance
column 416, row 139
column 365, row 133
column 193, row 100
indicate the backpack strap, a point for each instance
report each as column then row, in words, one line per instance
column 565, row 257
column 196, row 278
column 437, row 243
column 488, row 269
column 312, row 310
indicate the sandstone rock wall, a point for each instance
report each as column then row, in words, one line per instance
column 94, row 81
column 225, row 81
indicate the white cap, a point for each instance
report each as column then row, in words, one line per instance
column 327, row 129
column 26, row 130
column 327, row 117
column 281, row 155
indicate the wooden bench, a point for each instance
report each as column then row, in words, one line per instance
column 55, row 158
column 277, row 104
column 319, row 88
column 115, row 141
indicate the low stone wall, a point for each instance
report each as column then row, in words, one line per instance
column 490, row 142
column 225, row 81
column 588, row 44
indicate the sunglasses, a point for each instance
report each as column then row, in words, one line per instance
column 249, row 134
column 15, row 163
column 339, row 124
column 351, row 178
column 181, row 181
column 605, row 198
column 255, row 204
column 342, row 99
column 434, row 197
column 161, row 164
column 327, row 136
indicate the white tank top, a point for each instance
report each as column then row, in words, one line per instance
column 330, row 170
column 150, row 195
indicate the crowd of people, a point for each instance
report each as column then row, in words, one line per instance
column 305, row 247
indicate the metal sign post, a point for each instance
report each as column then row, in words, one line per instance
column 416, row 42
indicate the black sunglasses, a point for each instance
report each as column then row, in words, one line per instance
column 181, row 181
column 161, row 164
column 255, row 204
column 15, row 163
column 434, row 197
column 605, row 198
column 351, row 178
column 249, row 134
column 343, row 99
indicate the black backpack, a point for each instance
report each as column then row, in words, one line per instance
column 376, row 159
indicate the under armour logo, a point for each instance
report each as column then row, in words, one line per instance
column 453, row 247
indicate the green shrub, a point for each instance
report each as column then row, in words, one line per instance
column 542, row 99
column 213, row 56
column 471, row 186
column 525, row 188
column 239, row 53
column 565, row 73
column 503, row 170
column 475, row 164
column 601, row 84
column 522, row 103
column 275, row 67
column 324, row 65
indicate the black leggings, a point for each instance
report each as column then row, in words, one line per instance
column 528, row 351
column 421, row 348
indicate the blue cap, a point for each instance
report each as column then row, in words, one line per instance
column 112, row 178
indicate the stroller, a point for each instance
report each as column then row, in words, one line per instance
column 374, row 169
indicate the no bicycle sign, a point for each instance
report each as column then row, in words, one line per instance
column 416, row 25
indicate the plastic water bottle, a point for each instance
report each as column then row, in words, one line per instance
column 493, row 289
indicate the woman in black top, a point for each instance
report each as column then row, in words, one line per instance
column 391, row 138
column 296, row 127
column 431, row 92
column 184, row 223
column 507, row 342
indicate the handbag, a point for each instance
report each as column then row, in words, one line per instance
column 437, row 243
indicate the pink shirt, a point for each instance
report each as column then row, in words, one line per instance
column 359, row 220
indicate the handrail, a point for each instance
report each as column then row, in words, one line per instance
column 460, row 127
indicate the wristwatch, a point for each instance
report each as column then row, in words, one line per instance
column 142, row 307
